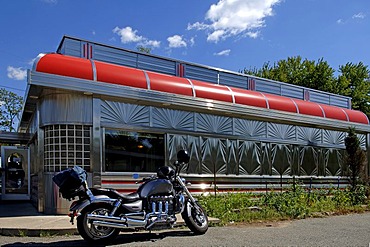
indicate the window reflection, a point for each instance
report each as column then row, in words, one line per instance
column 133, row 151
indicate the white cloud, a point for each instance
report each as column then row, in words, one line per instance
column 176, row 41
column 18, row 74
column 223, row 53
column 359, row 16
column 235, row 17
column 340, row 21
column 128, row 35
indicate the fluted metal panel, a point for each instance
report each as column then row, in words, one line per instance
column 309, row 135
column 250, row 128
column 266, row 162
column 58, row 107
column 333, row 162
column 195, row 163
column 281, row 131
column 174, row 144
column 308, row 160
column 362, row 139
column 249, row 158
column 214, row 124
column 232, row 157
column 334, row 137
column 213, row 156
column 281, row 159
column 173, row 119
column 122, row 113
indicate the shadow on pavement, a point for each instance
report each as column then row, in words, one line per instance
column 126, row 238
column 17, row 208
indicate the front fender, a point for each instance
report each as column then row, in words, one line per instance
column 79, row 205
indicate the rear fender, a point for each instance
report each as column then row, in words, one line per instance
column 79, row 205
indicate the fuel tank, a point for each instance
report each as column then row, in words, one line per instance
column 155, row 187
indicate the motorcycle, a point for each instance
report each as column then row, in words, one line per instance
column 102, row 213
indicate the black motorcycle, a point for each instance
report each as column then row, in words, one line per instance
column 102, row 213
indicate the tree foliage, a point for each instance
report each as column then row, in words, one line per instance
column 353, row 79
column 356, row 158
column 10, row 108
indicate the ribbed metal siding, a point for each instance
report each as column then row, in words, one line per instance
column 115, row 56
column 232, row 80
column 201, row 74
column 266, row 86
column 71, row 47
column 339, row 101
column 292, row 92
column 319, row 97
column 156, row 64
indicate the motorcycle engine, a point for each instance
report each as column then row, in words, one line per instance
column 161, row 204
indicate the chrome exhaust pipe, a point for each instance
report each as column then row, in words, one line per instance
column 118, row 221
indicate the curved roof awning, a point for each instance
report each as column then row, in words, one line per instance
column 121, row 75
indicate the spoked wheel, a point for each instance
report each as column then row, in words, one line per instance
column 93, row 233
column 195, row 218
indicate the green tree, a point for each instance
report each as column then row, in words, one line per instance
column 356, row 158
column 144, row 49
column 354, row 82
column 294, row 70
column 10, row 108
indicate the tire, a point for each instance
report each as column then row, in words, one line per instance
column 96, row 234
column 196, row 220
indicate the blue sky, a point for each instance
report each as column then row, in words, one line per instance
column 228, row 34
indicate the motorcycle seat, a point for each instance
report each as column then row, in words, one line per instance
column 130, row 197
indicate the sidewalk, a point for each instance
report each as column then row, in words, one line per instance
column 20, row 218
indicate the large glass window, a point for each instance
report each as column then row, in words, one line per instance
column 127, row 151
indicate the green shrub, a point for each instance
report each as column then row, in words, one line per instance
column 295, row 203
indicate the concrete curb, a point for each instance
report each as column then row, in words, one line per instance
column 39, row 226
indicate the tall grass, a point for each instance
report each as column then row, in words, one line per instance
column 295, row 203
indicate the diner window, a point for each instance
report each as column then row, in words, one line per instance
column 128, row 151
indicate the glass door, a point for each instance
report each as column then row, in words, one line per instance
column 15, row 181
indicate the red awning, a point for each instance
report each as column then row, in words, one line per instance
column 110, row 73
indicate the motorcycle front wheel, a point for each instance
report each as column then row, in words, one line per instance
column 92, row 233
column 195, row 218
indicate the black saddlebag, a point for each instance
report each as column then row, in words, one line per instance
column 70, row 182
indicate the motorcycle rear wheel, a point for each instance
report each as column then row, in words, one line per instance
column 92, row 233
column 195, row 219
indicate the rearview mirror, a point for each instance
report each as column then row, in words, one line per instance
column 183, row 156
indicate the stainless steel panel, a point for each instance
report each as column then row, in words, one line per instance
column 309, row 160
column 292, row 91
column 213, row 156
column 123, row 113
column 58, row 107
column 249, row 158
column 214, row 124
column 311, row 136
column 339, row 101
column 71, row 47
column 233, row 80
column 156, row 64
column 281, row 159
column 333, row 137
column 281, row 131
column 266, row 86
column 318, row 97
column 201, row 73
column 250, row 128
column 173, row 119
column 115, row 56
column 333, row 159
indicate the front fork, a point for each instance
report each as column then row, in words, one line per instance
column 190, row 196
